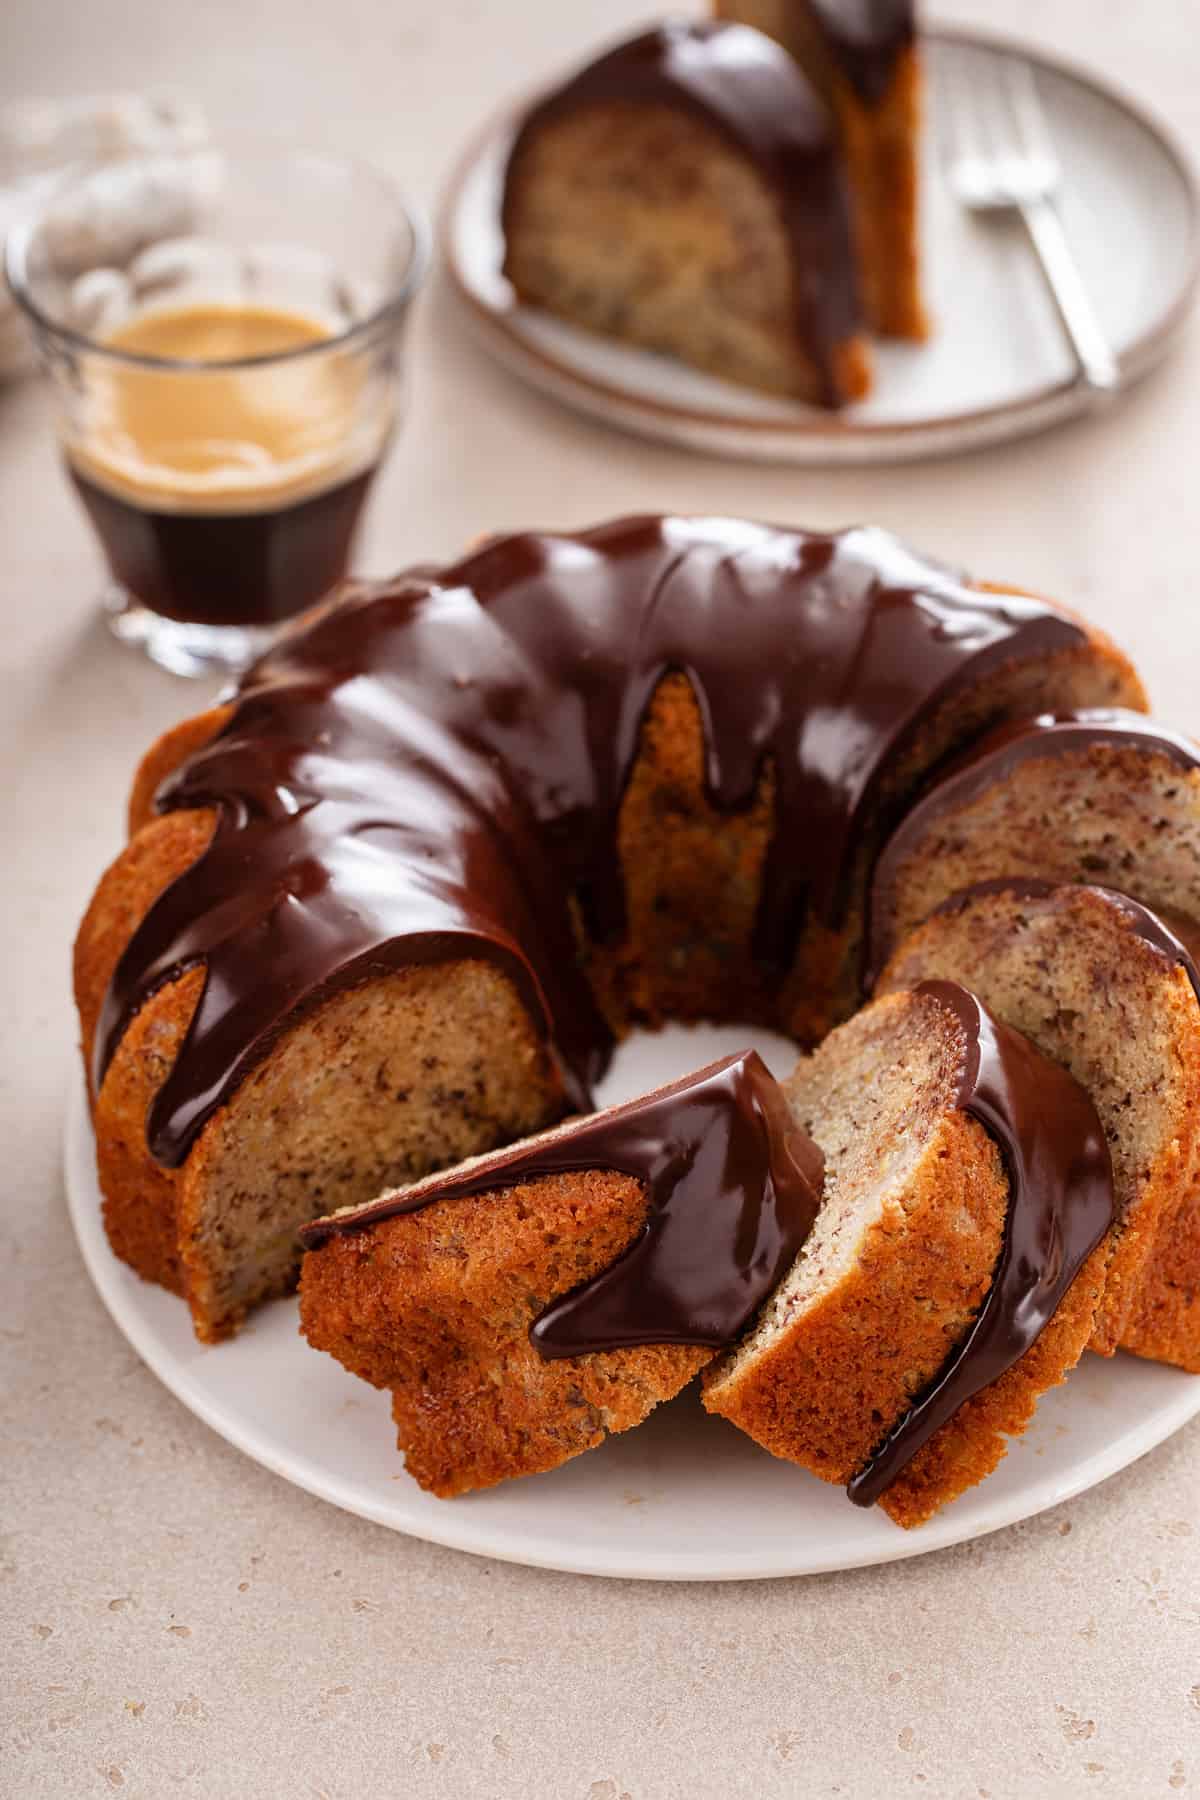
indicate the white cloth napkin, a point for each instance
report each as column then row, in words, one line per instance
column 40, row 140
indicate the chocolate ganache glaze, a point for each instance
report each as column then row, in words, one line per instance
column 733, row 1185
column 997, row 755
column 866, row 39
column 1060, row 1206
column 1171, row 933
column 742, row 85
column 435, row 767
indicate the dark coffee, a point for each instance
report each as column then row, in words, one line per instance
column 231, row 568
column 224, row 460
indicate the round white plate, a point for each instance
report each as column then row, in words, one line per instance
column 997, row 365
column 684, row 1498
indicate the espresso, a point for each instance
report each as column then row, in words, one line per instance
column 228, row 495
column 227, row 568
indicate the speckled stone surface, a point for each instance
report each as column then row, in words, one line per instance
column 174, row 1619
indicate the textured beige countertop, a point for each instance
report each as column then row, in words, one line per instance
column 172, row 1617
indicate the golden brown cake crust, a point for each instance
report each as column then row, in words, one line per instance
column 141, row 1198
column 882, row 145
column 1164, row 1321
column 140, row 1207
column 160, row 851
column 436, row 1306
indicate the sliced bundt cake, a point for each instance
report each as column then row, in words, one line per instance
column 388, row 907
column 863, row 57
column 1106, row 797
column 685, row 192
column 952, row 1273
column 1103, row 986
column 1163, row 1323
column 525, row 1305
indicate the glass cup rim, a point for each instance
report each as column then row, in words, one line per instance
column 23, row 230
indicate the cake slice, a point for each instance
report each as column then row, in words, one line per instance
column 952, row 1273
column 1163, row 1323
column 1105, row 988
column 526, row 1304
column 863, row 57
column 1102, row 796
column 685, row 192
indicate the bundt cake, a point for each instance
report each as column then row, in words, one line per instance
column 952, row 1273
column 1106, row 797
column 525, row 1305
column 862, row 57
column 388, row 906
column 685, row 192
column 1107, row 990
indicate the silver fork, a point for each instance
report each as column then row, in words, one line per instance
column 1000, row 158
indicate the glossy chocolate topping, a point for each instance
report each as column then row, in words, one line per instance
column 996, row 756
column 866, row 39
column 742, row 85
column 434, row 768
column 1060, row 1206
column 733, row 1185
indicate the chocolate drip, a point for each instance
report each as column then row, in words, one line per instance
column 742, row 85
column 733, row 1186
column 434, row 768
column 1060, row 1206
column 1171, row 933
column 866, row 39
column 997, row 755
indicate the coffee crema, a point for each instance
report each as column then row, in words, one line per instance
column 225, row 476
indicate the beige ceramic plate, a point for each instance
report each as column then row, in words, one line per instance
column 997, row 366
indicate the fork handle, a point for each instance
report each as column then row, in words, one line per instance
column 1098, row 367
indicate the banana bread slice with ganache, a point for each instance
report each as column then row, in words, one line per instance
column 1108, row 989
column 526, row 1304
column 956, row 1264
column 685, row 192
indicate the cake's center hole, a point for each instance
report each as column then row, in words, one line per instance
column 649, row 1059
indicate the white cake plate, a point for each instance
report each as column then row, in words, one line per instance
column 683, row 1498
column 996, row 367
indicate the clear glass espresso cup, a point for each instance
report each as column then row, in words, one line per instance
column 223, row 330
